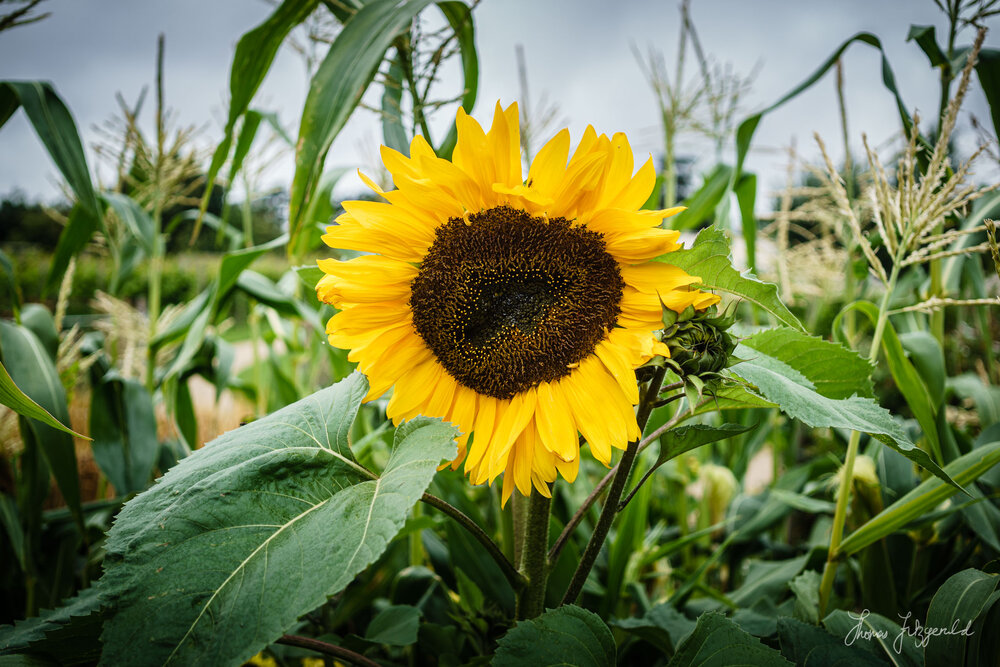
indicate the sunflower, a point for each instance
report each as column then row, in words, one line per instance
column 517, row 310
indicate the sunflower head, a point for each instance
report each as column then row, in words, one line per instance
column 517, row 308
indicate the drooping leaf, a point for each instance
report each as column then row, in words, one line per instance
column 956, row 605
column 929, row 494
column 276, row 514
column 924, row 36
column 797, row 397
column 31, row 369
column 337, row 87
column 568, row 635
column 55, row 127
column 835, row 371
column 709, row 259
column 21, row 403
column 908, row 380
column 253, row 57
column 718, row 642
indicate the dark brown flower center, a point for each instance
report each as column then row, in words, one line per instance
column 506, row 300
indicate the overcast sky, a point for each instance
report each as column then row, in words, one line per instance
column 579, row 54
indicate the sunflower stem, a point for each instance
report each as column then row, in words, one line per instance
column 534, row 564
column 610, row 509
column 515, row 578
column 328, row 649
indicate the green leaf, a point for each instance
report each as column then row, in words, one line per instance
column 677, row 441
column 662, row 626
column 923, row 35
column 276, row 515
column 10, row 280
column 876, row 634
column 747, row 128
column 393, row 133
column 31, row 369
column 459, row 17
column 21, row 403
column 956, row 605
column 746, row 196
column 767, row 579
column 908, row 380
column 834, row 370
column 717, row 641
column 396, row 625
column 805, row 587
column 988, row 69
column 928, row 495
column 568, row 635
column 136, row 219
column 55, row 127
column 123, row 425
column 253, row 57
column 702, row 203
column 806, row 644
column 337, row 87
column 709, row 259
column 319, row 213
column 27, row 634
column 797, row 397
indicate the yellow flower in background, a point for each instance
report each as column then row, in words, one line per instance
column 517, row 310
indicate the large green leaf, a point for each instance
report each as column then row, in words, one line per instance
column 21, row 403
column 798, row 397
column 834, row 370
column 928, row 495
column 568, row 635
column 709, row 259
column 337, row 87
column 955, row 605
column 719, row 642
column 32, row 369
column 260, row 526
column 54, row 125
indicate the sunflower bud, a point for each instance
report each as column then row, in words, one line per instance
column 698, row 340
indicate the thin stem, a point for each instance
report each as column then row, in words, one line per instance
column 328, row 649
column 515, row 578
column 156, row 258
column 534, row 565
column 624, row 468
column 846, row 481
